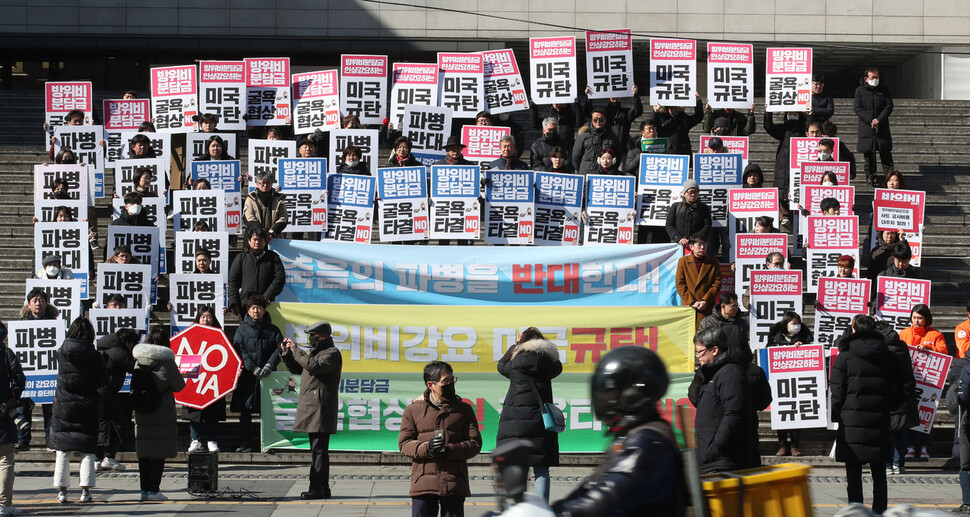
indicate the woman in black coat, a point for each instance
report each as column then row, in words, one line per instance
column 115, row 421
column 257, row 341
column 787, row 332
column 864, row 393
column 531, row 358
column 74, row 421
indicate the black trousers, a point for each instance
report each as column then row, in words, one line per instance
column 150, row 473
column 319, row 461
column 427, row 506
column 853, row 475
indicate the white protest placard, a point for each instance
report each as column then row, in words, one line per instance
column 267, row 90
column 673, row 72
column 363, row 87
column 788, row 79
column 350, row 202
column 263, row 155
column 367, row 140
column 35, row 342
column 804, row 150
column 509, row 207
column 504, row 88
column 189, row 293
column 161, row 143
column 83, row 142
column 222, row 86
column 609, row 63
column 76, row 176
column 559, row 205
column 109, row 321
column 64, row 294
column 716, row 175
column 773, row 293
column 553, row 66
column 798, row 385
column 662, row 177
column 730, row 75
column 197, row 146
column 839, row 300
column 199, row 206
column 895, row 298
column 224, row 175
column 45, row 210
column 133, row 282
column 828, row 239
column 216, row 243
column 428, row 128
column 304, row 182
column 61, row 98
column 750, row 253
column 154, row 210
column 929, row 370
column 461, row 85
column 412, row 84
column 69, row 241
column 127, row 168
column 122, row 115
column 610, row 209
column 895, row 209
column 403, row 194
column 454, row 202
column 482, row 143
column 143, row 241
column 316, row 101
column 174, row 98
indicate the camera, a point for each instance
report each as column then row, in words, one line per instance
column 19, row 410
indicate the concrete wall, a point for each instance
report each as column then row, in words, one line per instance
column 858, row 21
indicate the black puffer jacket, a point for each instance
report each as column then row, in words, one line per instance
column 905, row 414
column 11, row 375
column 736, row 329
column 360, row 169
column 684, row 220
column 677, row 129
column 537, row 359
column 258, row 344
column 80, row 374
column 783, row 133
column 588, row 146
column 864, row 392
column 251, row 274
column 893, row 271
column 873, row 103
column 118, row 361
column 539, row 157
column 722, row 403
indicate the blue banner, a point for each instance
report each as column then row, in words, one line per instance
column 402, row 183
column 333, row 272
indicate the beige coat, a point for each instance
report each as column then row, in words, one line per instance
column 694, row 285
column 316, row 409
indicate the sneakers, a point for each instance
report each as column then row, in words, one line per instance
column 154, row 496
column 795, row 451
column 890, row 471
column 112, row 464
column 62, row 495
column 910, row 453
column 923, row 453
column 22, row 446
column 964, row 509
column 213, row 446
column 899, row 470
column 10, row 510
column 85, row 496
column 196, row 446
column 782, row 452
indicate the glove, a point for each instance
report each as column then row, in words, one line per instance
column 436, row 447
column 264, row 372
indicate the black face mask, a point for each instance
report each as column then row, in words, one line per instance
column 61, row 194
column 265, row 197
column 313, row 339
column 448, row 391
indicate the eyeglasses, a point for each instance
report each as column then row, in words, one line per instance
column 599, row 119
column 700, row 352
column 453, row 381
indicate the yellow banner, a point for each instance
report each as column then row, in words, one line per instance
column 403, row 338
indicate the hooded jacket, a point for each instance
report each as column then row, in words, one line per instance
column 156, row 432
column 722, row 403
column 537, row 359
column 74, row 418
column 588, row 146
column 258, row 344
column 316, row 408
column 271, row 215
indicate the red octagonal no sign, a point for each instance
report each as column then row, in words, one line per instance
column 208, row 362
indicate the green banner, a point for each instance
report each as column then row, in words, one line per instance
column 653, row 145
column 372, row 405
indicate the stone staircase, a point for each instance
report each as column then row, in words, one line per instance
column 930, row 149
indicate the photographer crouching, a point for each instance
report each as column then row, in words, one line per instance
column 12, row 408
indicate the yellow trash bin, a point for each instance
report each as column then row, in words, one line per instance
column 770, row 490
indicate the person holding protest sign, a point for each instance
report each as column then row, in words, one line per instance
column 900, row 266
column 132, row 214
column 789, row 332
column 453, row 156
column 688, row 216
column 114, row 422
column 140, row 146
column 156, row 428
column 675, row 125
column 648, row 131
column 566, row 116
column 352, row 163
column 592, row 138
column 846, row 266
column 215, row 150
column 256, row 270
column 559, row 158
column 36, row 307
column 530, row 365
column 508, row 161
column 539, row 155
column 864, row 392
column 608, row 162
column 793, row 126
column 208, row 122
column 962, row 336
column 698, row 278
column 401, row 155
column 921, row 334
column 619, row 117
column 728, row 121
column 257, row 341
column 439, row 432
column 204, row 423
column 822, row 107
column 74, row 422
column 265, row 207
column 873, row 104
column 51, row 269
column 316, row 408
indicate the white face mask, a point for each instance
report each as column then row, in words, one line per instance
column 824, row 156
column 134, row 209
column 873, row 82
column 52, row 270
column 352, row 163
column 794, row 328
column 828, row 184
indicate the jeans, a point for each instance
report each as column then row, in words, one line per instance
column 899, row 440
column 542, row 481
column 853, row 475
column 427, row 506
column 207, row 429
column 62, row 469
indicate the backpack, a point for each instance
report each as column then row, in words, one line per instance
column 145, row 395
column 952, row 402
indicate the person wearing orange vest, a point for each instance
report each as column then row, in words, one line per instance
column 962, row 335
column 921, row 335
